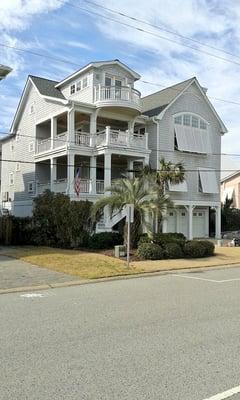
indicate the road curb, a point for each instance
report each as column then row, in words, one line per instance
column 111, row 279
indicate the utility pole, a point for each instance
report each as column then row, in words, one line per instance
column 130, row 219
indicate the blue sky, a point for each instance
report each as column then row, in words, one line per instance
column 55, row 28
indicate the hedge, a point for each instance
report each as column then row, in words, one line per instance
column 105, row 240
column 150, row 251
column 194, row 249
column 173, row 250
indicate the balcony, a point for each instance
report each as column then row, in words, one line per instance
column 121, row 139
column 120, row 96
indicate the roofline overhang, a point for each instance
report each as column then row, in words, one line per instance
column 223, row 127
column 95, row 65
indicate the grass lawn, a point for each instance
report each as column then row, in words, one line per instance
column 87, row 265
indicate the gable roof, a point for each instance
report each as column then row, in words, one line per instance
column 161, row 99
column 166, row 97
column 97, row 64
column 46, row 87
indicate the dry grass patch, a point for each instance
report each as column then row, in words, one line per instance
column 86, row 265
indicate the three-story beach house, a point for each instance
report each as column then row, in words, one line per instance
column 96, row 120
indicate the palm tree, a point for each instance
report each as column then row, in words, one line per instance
column 133, row 191
column 168, row 172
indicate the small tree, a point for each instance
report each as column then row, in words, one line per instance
column 133, row 191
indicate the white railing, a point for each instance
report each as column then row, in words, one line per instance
column 99, row 186
column 117, row 93
column 119, row 138
column 43, row 145
column 82, row 139
column 85, row 185
column 60, row 186
column 60, row 140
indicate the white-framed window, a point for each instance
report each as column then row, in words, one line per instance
column 203, row 124
column 78, row 86
column 190, row 120
column 31, row 187
column 18, row 166
column 11, row 178
column 195, row 121
column 187, row 120
column 85, row 82
column 178, row 120
column 171, row 214
column 31, row 147
column 72, row 89
column 183, row 214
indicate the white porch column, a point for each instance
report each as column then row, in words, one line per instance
column 164, row 222
column 190, row 222
column 53, row 173
column 107, row 169
column 70, row 173
column 93, row 173
column 71, row 127
column 218, row 222
column 130, row 168
column 146, row 140
column 53, row 130
column 108, row 132
column 107, row 183
column 93, row 128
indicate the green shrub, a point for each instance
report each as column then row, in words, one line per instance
column 105, row 240
column 194, row 249
column 150, row 251
column 208, row 246
column 162, row 239
column 144, row 239
column 173, row 250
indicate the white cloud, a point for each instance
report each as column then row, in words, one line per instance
column 78, row 44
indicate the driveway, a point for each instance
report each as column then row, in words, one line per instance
column 169, row 337
column 15, row 273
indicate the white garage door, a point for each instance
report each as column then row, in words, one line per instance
column 171, row 222
column 183, row 222
column 199, row 224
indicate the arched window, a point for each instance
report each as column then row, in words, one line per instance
column 191, row 120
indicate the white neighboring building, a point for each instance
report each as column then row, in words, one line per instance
column 97, row 120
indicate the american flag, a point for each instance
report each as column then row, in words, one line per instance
column 77, row 182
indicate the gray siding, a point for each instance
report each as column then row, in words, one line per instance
column 191, row 101
column 20, row 150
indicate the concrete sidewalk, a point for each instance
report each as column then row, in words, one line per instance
column 18, row 274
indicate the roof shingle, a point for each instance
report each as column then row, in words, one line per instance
column 46, row 87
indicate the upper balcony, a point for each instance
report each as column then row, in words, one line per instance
column 117, row 96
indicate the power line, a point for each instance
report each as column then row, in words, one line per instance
column 115, row 166
column 158, row 27
column 149, row 32
column 66, row 141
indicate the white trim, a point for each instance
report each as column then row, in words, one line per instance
column 97, row 65
column 194, row 80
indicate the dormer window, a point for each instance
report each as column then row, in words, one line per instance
column 190, row 120
column 72, row 89
column 85, row 82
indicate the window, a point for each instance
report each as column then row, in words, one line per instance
column 171, row 214
column 31, row 147
column 17, row 166
column 85, row 82
column 190, row 120
column 72, row 89
column 195, row 214
column 178, row 120
column 12, row 146
column 31, row 187
column 203, row 124
column 194, row 122
column 183, row 214
column 11, row 179
column 108, row 81
column 78, row 86
column 186, row 119
column 200, row 214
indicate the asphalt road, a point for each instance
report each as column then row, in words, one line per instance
column 164, row 337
